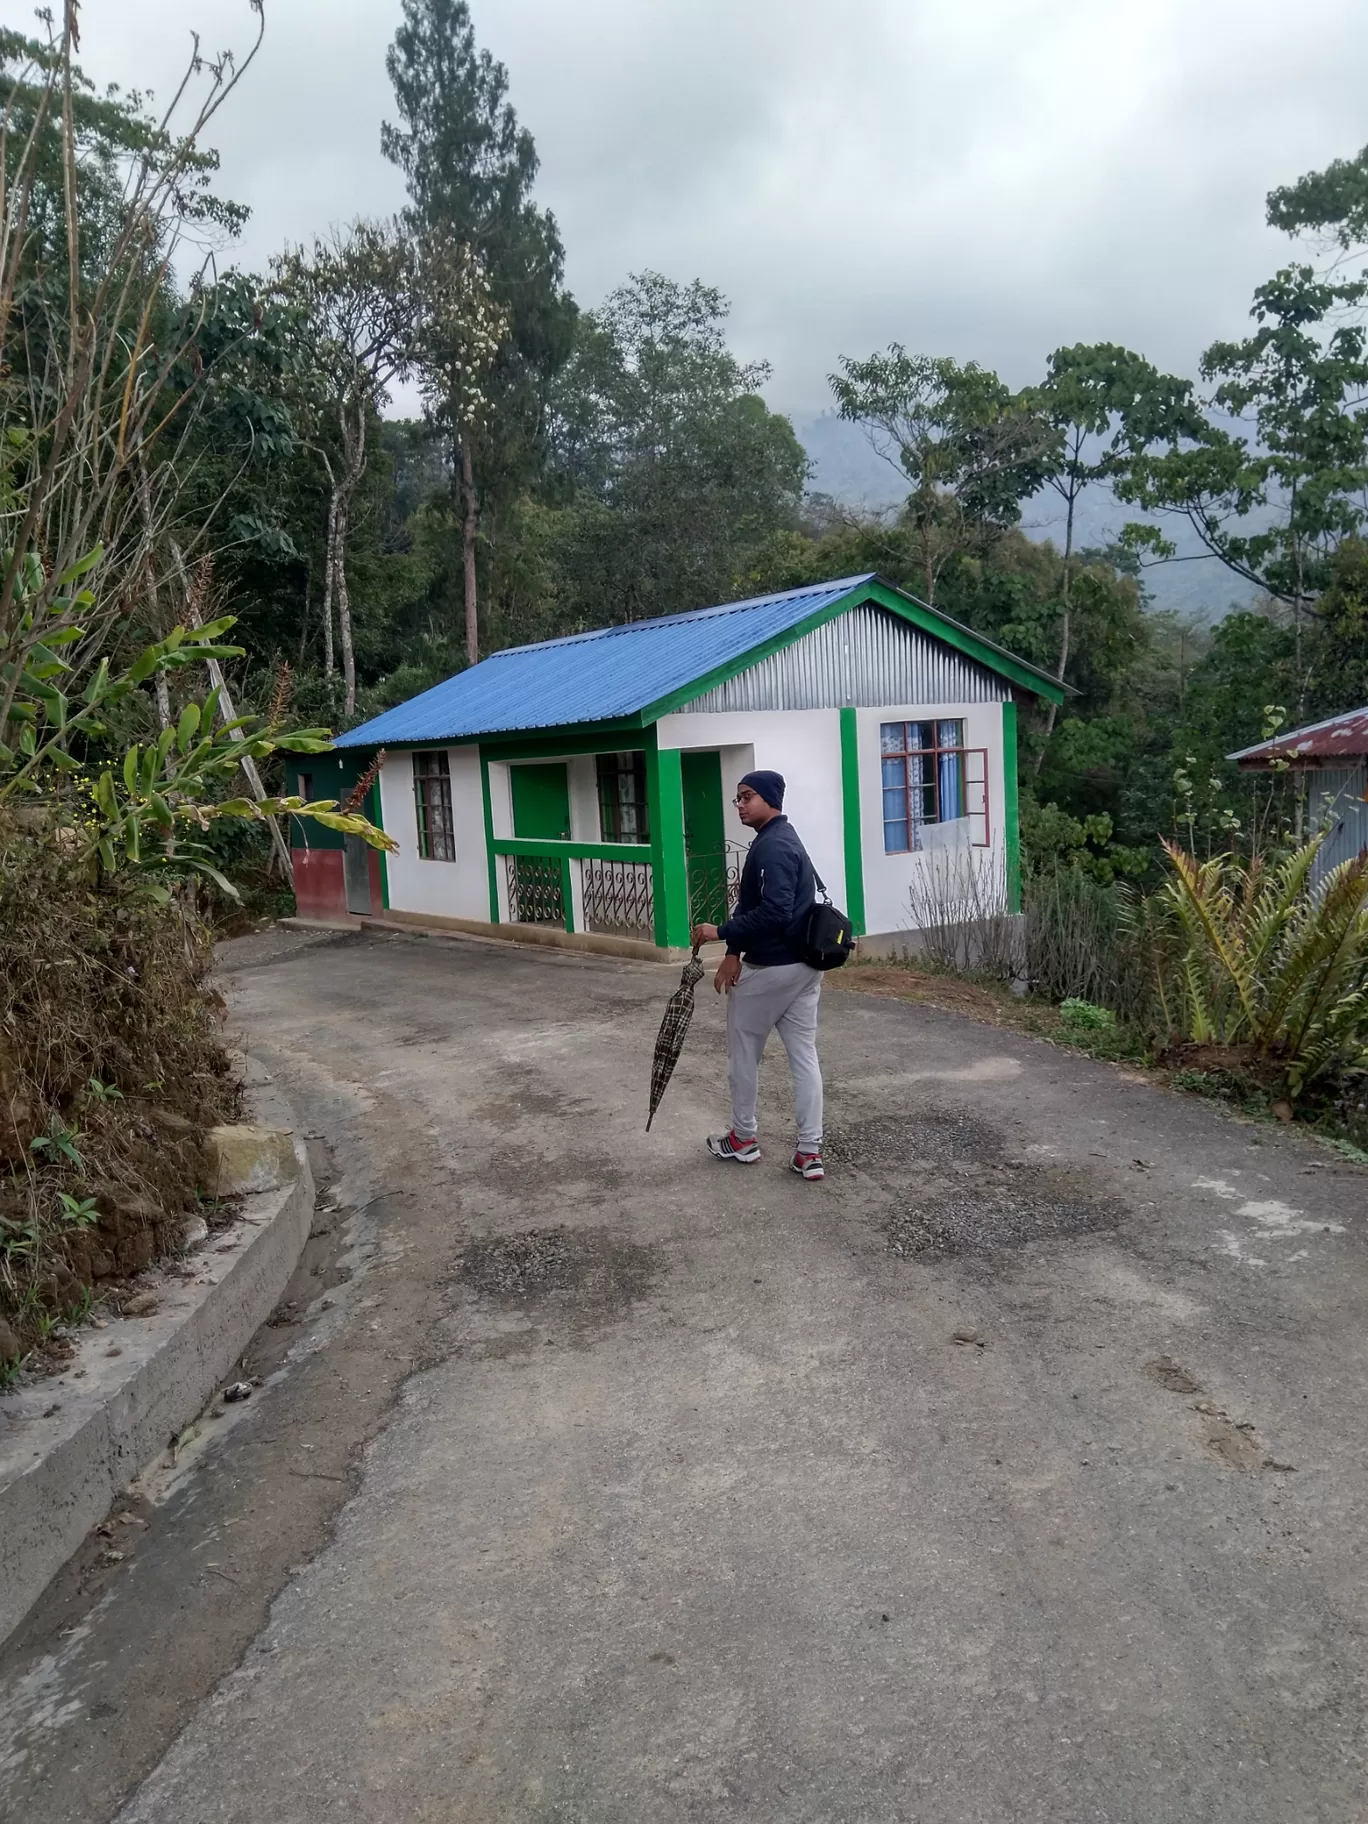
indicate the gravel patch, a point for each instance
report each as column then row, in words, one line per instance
column 593, row 1272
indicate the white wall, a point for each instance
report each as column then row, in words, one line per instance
column 888, row 878
column 804, row 745
column 453, row 889
column 582, row 774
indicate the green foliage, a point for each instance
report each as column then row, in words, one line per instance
column 1332, row 203
column 971, row 450
column 139, row 813
column 673, row 471
column 1271, row 960
column 1274, row 505
column 1086, row 1016
column 470, row 168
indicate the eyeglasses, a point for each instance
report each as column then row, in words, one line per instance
column 743, row 798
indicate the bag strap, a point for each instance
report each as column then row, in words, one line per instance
column 821, row 884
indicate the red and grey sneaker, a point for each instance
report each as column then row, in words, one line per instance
column 807, row 1165
column 732, row 1146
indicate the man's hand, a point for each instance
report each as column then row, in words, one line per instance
column 704, row 934
column 728, row 973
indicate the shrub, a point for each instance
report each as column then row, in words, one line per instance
column 1267, row 960
column 1088, row 940
column 1086, row 1016
column 110, row 1060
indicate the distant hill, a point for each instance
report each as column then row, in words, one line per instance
column 846, row 467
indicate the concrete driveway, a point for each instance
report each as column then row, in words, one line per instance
column 1016, row 1473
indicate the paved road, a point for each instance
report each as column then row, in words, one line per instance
column 694, row 1508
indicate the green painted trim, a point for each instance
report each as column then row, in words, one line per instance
column 850, row 818
column 567, row 895
column 547, row 743
column 670, row 881
column 518, row 738
column 1011, row 806
column 377, row 817
column 586, row 851
column 489, row 840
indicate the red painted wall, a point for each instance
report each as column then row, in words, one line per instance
column 320, row 885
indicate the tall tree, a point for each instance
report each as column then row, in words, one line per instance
column 355, row 294
column 1276, row 504
column 970, row 449
column 470, row 170
column 676, row 473
column 1100, row 401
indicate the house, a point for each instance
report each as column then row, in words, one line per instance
column 1334, row 757
column 580, row 791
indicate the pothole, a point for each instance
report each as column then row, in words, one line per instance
column 933, row 1135
column 593, row 1272
column 987, row 1222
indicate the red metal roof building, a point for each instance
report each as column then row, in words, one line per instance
column 1334, row 755
column 1336, row 741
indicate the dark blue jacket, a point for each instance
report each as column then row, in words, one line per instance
column 778, row 891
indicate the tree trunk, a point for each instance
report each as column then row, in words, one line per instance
column 329, row 570
column 160, row 684
column 229, row 714
column 1064, row 629
column 469, row 522
column 344, row 621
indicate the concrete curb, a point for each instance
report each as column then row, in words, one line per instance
column 548, row 937
column 70, row 1443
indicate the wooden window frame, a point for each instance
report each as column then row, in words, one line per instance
column 613, row 767
column 432, row 804
column 971, row 772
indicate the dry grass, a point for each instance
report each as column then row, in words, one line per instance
column 110, row 1064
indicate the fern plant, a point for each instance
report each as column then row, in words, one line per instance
column 1269, row 959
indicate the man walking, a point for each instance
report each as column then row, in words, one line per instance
column 769, row 987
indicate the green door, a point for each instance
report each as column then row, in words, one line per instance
column 705, row 842
column 541, row 802
column 541, row 813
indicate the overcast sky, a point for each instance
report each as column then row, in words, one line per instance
column 980, row 178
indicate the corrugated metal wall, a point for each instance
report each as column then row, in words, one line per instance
column 863, row 659
column 1337, row 798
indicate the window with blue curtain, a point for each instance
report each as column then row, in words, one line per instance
column 923, row 779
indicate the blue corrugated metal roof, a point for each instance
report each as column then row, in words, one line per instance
column 594, row 677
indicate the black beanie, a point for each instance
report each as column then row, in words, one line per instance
column 770, row 787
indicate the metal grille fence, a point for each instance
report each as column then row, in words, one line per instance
column 536, row 895
column 617, row 896
column 714, row 883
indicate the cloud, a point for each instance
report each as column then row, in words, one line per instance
column 987, row 179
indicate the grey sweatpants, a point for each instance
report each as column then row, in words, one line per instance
column 783, row 1000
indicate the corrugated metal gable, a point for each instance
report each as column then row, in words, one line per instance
column 1337, row 800
column 597, row 676
column 863, row 659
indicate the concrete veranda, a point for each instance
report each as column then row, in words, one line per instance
column 690, row 1505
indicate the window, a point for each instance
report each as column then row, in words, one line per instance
column 622, row 798
column 923, row 779
column 432, row 795
column 306, row 787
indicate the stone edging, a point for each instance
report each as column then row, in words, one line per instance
column 145, row 1379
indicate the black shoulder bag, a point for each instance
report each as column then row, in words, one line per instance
column 829, row 940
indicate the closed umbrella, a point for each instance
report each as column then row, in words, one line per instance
column 670, row 1039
